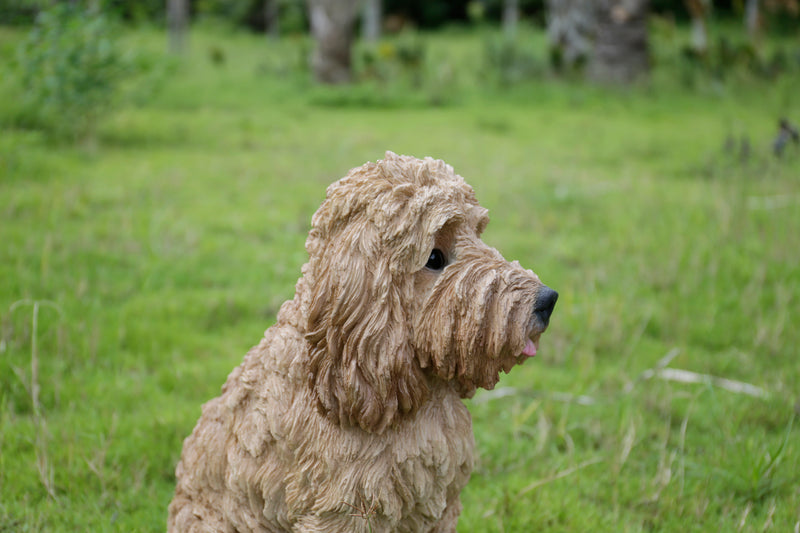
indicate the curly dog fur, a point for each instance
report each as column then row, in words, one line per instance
column 348, row 415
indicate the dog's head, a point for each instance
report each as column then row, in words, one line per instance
column 400, row 292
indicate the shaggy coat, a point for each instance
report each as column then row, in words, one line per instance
column 347, row 416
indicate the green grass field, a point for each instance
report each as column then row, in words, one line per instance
column 137, row 270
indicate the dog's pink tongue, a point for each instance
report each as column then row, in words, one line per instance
column 530, row 348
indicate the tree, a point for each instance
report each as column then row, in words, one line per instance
column 570, row 30
column 621, row 52
column 510, row 17
column 272, row 19
column 698, row 9
column 332, row 26
column 177, row 20
column 371, row 20
column 752, row 19
column 609, row 35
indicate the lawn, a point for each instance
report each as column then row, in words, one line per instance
column 136, row 271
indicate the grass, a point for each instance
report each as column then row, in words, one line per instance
column 136, row 272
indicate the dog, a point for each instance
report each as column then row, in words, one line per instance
column 348, row 416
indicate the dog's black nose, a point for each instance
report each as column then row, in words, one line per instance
column 544, row 304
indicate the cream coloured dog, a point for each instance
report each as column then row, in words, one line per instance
column 348, row 414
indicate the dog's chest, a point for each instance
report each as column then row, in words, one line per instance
column 415, row 469
column 307, row 466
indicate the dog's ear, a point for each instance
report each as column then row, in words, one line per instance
column 363, row 368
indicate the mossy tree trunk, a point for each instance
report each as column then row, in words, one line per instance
column 371, row 20
column 272, row 19
column 621, row 52
column 510, row 17
column 332, row 26
column 177, row 21
column 570, row 31
column 752, row 19
column 698, row 10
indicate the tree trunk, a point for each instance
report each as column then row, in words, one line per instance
column 371, row 20
column 620, row 53
column 332, row 26
column 570, row 31
column 752, row 19
column 272, row 19
column 177, row 20
column 510, row 17
column 699, row 37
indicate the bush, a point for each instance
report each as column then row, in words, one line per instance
column 400, row 73
column 72, row 71
column 508, row 62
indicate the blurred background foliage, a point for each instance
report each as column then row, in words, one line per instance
column 778, row 15
column 71, row 70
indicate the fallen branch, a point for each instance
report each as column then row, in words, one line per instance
column 686, row 376
column 660, row 371
column 769, row 203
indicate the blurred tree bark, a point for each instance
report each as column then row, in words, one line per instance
column 752, row 19
column 272, row 25
column 610, row 36
column 332, row 26
column 621, row 52
column 510, row 17
column 698, row 9
column 570, row 30
column 177, row 20
column 371, row 16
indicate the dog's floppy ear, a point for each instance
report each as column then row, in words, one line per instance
column 363, row 368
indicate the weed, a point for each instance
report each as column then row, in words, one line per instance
column 509, row 62
column 364, row 511
column 760, row 478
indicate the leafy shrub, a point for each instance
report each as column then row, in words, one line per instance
column 507, row 62
column 72, row 70
column 388, row 62
column 731, row 61
column 400, row 72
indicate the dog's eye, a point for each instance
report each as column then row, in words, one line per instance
column 437, row 260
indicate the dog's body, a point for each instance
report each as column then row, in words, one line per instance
column 348, row 415
column 305, row 473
